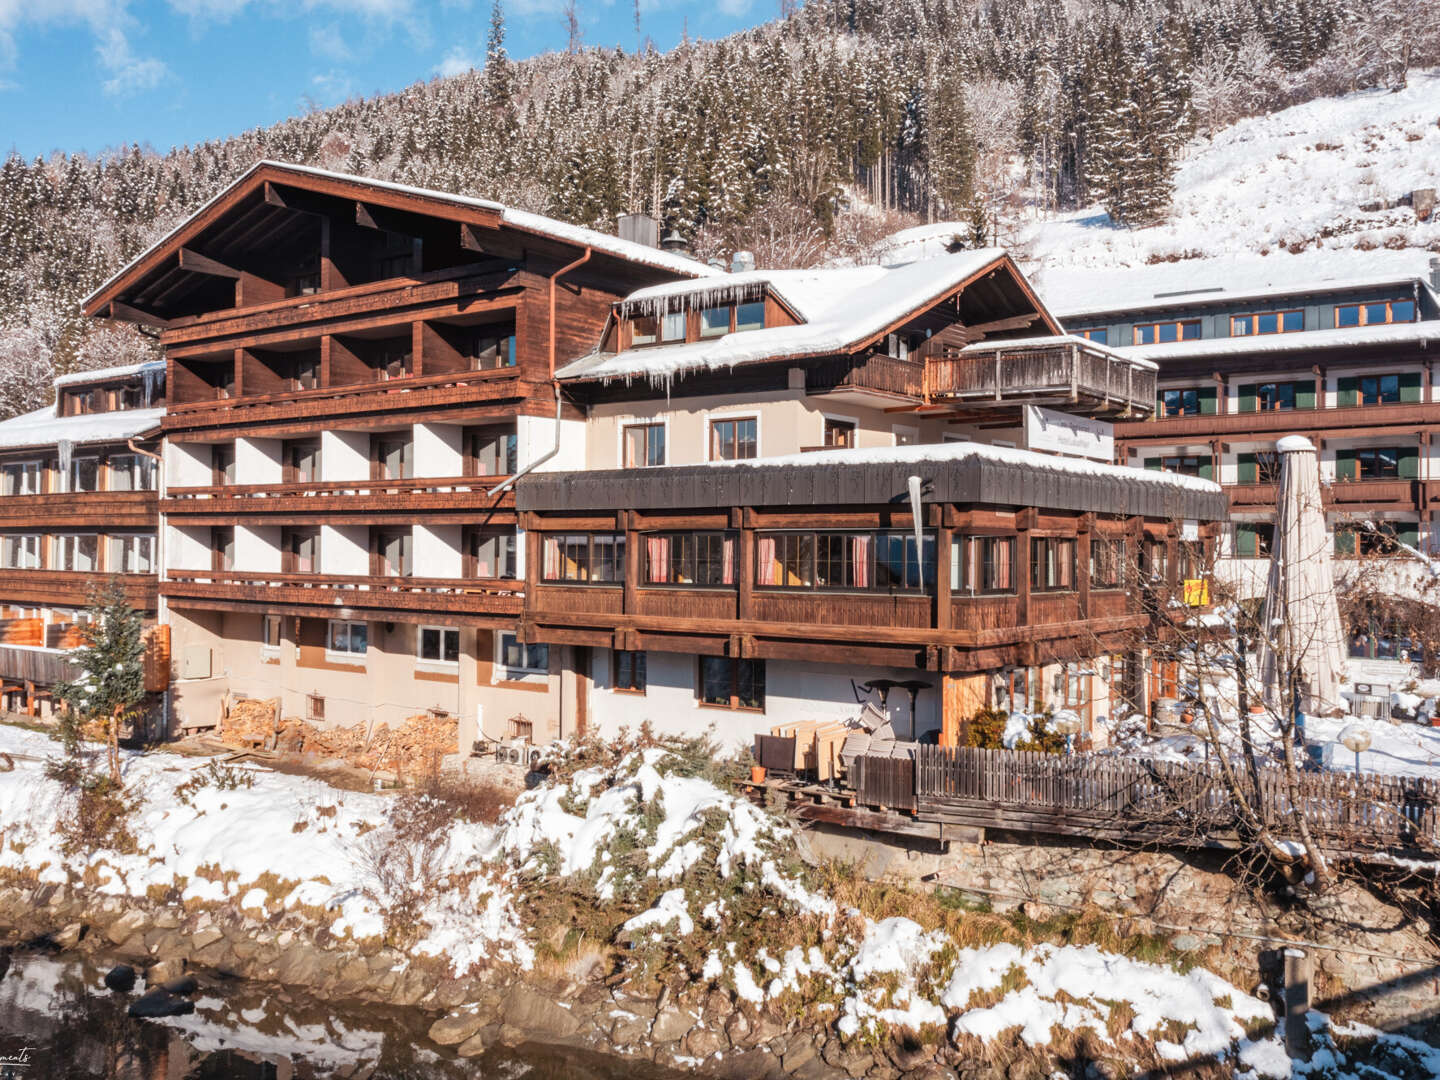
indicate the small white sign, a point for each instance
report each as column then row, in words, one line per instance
column 1063, row 433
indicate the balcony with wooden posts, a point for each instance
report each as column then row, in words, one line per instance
column 79, row 510
column 391, row 598
column 436, row 500
column 1349, row 421
column 1068, row 374
column 1342, row 495
column 71, row 588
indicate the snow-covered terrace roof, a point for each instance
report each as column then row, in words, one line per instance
column 1123, row 356
column 43, row 428
column 1083, row 292
column 1422, row 334
column 844, row 308
column 106, row 374
column 518, row 219
column 952, row 472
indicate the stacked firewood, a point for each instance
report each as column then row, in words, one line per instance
column 411, row 748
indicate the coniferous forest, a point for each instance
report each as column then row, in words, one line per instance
column 804, row 139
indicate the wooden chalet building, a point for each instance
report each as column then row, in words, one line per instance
column 78, row 491
column 743, row 550
column 1338, row 347
column 355, row 369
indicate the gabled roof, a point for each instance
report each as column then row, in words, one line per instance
column 97, row 375
column 844, row 309
column 393, row 196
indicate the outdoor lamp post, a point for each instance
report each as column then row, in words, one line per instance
column 1356, row 738
column 1067, row 724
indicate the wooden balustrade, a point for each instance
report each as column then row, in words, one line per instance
column 1054, row 374
column 410, row 485
column 40, row 667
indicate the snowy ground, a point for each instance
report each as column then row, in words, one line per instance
column 686, row 866
column 1294, row 179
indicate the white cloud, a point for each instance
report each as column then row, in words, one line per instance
column 327, row 41
column 457, row 61
column 331, row 87
column 109, row 21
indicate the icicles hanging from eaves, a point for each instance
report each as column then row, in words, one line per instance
column 724, row 292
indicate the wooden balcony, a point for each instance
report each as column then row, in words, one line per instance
column 41, row 667
column 473, row 601
column 80, row 509
column 1348, row 422
column 1063, row 375
column 1339, row 495
column 436, row 500
column 70, row 588
column 874, row 372
column 462, row 395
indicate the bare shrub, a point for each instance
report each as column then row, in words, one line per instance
column 480, row 800
column 402, row 860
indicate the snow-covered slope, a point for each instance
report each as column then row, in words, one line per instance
column 1274, row 185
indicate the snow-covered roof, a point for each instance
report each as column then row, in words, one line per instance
column 843, row 307
column 519, row 219
column 1077, row 293
column 1415, row 333
column 105, row 374
column 1124, row 356
column 43, row 428
column 951, row 452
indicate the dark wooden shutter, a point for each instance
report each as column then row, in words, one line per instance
column 1248, row 470
column 1345, row 465
column 1347, row 390
column 1247, row 397
column 1410, row 386
column 1207, row 469
column 1207, row 398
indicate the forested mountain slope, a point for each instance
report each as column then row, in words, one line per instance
column 805, row 139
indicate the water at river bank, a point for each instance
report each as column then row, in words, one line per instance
column 59, row 1022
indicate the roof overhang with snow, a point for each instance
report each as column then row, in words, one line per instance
column 844, row 310
column 1421, row 335
column 42, row 428
column 950, row 472
column 259, row 210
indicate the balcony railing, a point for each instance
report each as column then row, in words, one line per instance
column 43, row 667
column 1318, row 421
column 70, row 588
column 1338, row 495
column 874, row 371
column 1061, row 374
column 318, row 592
column 79, row 508
column 447, row 499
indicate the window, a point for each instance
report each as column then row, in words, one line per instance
column 1273, row 397
column 1269, row 322
column 393, row 359
column 20, row 478
column 843, row 560
column 1107, row 562
column 1383, row 538
column 85, row 474
column 345, row 638
column 1184, row 402
column 521, row 659
column 644, row 330
column 394, row 459
column 491, row 554
column 490, row 348
column 77, row 552
column 132, row 472
column 1185, row 464
column 750, row 316
column 20, row 552
column 132, row 554
column 392, row 552
column 672, row 326
column 983, row 564
column 492, row 452
column 271, row 633
column 730, row 683
column 1100, row 335
column 734, row 440
column 1254, row 539
column 899, row 346
column 905, row 436
column 1052, row 563
column 695, row 558
column 1377, row 463
column 839, row 433
column 300, row 550
column 1155, row 559
column 302, row 462
column 1150, row 333
column 582, row 557
column 714, row 321
column 644, row 445
column 628, row 674
column 438, row 645
column 305, row 369
column 1379, row 389
column 1383, row 311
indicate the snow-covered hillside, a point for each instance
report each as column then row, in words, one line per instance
column 1275, row 185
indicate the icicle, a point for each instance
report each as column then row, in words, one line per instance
column 726, row 292
column 153, row 379
column 66, row 450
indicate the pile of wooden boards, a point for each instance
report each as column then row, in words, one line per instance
column 411, row 748
column 817, row 745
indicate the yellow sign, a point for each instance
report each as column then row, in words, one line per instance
column 1197, row 592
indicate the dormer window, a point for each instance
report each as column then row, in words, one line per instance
column 715, row 321
column 644, row 330
column 750, row 316
column 672, row 327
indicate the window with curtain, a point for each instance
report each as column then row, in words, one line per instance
column 672, row 327
column 731, row 683
column 20, row 552
column 596, row 558
column 1052, row 563
column 644, row 445
column 78, row 552
column 843, row 560
column 983, row 564
column 734, row 440
column 689, row 558
column 134, row 554
column 1107, row 562
column 20, row 478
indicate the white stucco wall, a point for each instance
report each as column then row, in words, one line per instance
column 345, row 455
column 535, row 435
column 436, row 551
column 187, row 548
column 257, row 548
column 793, row 691
column 187, row 464
column 259, row 461
column 345, row 549
column 439, row 450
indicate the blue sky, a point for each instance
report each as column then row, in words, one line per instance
column 92, row 74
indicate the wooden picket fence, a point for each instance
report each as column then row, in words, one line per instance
column 1157, row 800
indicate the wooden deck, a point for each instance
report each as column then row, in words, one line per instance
column 947, row 793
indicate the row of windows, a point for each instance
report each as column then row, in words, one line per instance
column 728, row 439
column 1261, row 323
column 132, row 554
column 673, row 326
column 487, row 452
column 886, row 561
column 345, row 638
column 125, row 472
column 1382, row 389
column 1256, row 539
column 101, row 399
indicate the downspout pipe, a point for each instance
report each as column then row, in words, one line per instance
column 508, row 483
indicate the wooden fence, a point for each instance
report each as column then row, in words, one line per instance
column 1157, row 800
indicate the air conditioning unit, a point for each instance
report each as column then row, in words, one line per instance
column 513, row 752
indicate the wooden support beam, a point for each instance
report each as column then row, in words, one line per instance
column 132, row 314
column 371, row 216
column 470, row 238
column 196, row 263
column 999, row 326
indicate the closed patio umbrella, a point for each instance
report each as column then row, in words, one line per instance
column 1300, row 617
